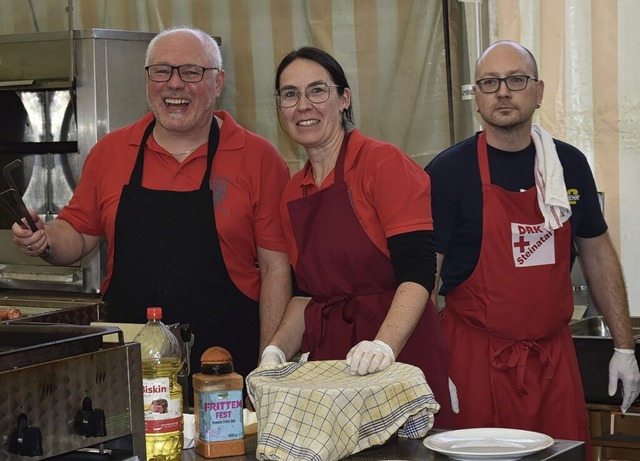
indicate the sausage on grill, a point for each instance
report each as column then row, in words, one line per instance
column 9, row 313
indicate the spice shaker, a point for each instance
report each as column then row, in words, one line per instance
column 218, row 406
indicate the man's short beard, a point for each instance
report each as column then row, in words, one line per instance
column 508, row 125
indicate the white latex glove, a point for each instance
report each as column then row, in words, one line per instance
column 272, row 355
column 624, row 367
column 370, row 356
column 453, row 392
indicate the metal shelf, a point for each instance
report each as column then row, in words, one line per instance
column 614, row 435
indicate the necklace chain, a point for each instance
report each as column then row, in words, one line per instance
column 190, row 150
column 187, row 152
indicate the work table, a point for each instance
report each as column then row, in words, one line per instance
column 413, row 449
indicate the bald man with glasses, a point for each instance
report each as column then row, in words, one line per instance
column 510, row 205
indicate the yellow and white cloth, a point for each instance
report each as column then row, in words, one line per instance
column 319, row 411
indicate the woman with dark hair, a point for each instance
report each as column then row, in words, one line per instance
column 357, row 221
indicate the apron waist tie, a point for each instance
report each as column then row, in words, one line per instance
column 516, row 357
column 329, row 303
column 348, row 303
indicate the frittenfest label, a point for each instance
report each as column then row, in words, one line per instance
column 221, row 416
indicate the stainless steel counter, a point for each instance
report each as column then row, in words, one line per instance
column 413, row 449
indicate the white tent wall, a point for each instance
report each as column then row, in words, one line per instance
column 394, row 54
column 626, row 140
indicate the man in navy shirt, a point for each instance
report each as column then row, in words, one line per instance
column 510, row 204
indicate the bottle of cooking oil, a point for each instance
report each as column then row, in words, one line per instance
column 162, row 395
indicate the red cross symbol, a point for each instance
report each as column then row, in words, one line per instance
column 522, row 244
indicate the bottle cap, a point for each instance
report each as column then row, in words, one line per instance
column 216, row 361
column 154, row 313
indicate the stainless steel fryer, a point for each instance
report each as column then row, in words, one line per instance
column 67, row 391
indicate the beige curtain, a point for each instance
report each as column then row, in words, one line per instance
column 588, row 57
column 391, row 50
column 394, row 54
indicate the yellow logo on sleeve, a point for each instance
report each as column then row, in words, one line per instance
column 573, row 196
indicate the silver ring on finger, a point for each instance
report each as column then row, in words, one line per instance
column 29, row 246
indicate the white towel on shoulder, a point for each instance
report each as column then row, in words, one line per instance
column 550, row 187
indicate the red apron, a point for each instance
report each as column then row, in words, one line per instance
column 352, row 285
column 511, row 354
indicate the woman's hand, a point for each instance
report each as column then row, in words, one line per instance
column 272, row 355
column 369, row 357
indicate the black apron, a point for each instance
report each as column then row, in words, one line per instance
column 167, row 254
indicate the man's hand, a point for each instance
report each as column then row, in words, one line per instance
column 370, row 356
column 624, row 367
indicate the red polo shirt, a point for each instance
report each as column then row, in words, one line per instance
column 247, row 178
column 390, row 193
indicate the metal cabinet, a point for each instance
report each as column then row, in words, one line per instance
column 61, row 92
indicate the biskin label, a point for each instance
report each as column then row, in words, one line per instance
column 162, row 414
column 220, row 416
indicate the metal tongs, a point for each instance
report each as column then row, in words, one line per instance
column 185, row 338
column 12, row 201
column 13, row 204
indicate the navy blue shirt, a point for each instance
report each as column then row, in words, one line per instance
column 456, row 199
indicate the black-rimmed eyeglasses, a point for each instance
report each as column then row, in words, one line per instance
column 189, row 73
column 513, row 82
column 316, row 93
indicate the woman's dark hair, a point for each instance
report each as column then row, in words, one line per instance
column 330, row 64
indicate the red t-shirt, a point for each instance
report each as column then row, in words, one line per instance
column 247, row 179
column 390, row 193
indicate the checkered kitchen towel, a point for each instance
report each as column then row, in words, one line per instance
column 319, row 411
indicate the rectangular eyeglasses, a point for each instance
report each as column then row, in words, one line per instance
column 514, row 83
column 189, row 73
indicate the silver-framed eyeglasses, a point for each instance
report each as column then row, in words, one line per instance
column 513, row 82
column 189, row 73
column 316, row 93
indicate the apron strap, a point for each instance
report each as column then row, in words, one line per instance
column 214, row 140
column 136, row 174
column 338, row 175
column 483, row 159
